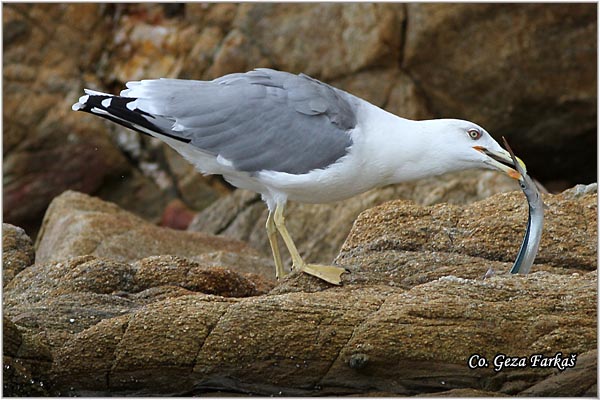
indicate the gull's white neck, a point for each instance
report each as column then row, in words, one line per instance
column 399, row 149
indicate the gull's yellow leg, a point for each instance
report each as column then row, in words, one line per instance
column 272, row 235
column 328, row 273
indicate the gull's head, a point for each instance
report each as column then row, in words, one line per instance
column 465, row 145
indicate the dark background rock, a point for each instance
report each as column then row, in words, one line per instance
column 526, row 71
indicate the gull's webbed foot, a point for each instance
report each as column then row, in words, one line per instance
column 328, row 273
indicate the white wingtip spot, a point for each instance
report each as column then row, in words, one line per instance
column 132, row 105
column 100, row 111
column 84, row 99
column 77, row 106
column 106, row 102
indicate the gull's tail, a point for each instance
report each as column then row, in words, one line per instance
column 123, row 111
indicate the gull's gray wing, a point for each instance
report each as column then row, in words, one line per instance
column 259, row 120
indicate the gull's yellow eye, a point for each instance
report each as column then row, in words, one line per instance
column 474, row 133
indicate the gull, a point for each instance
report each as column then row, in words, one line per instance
column 293, row 137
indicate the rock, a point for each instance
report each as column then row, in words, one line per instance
column 17, row 252
column 407, row 316
column 462, row 393
column 137, row 193
column 320, row 229
column 76, row 224
column 148, row 44
column 62, row 298
column 304, row 343
column 389, row 88
column 577, row 381
column 366, row 35
column 491, row 229
column 209, row 279
column 48, row 148
column 196, row 190
column 177, row 215
column 464, row 58
column 26, row 363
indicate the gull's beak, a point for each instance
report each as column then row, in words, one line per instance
column 501, row 161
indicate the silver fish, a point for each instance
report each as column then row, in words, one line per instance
column 535, row 222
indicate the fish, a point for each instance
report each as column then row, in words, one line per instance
column 535, row 221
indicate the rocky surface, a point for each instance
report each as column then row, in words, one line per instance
column 412, row 310
column 491, row 229
column 76, row 225
column 417, row 60
column 26, row 363
column 17, row 252
column 336, row 341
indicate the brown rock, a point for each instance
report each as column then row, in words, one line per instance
column 320, row 229
column 26, row 363
column 177, row 215
column 338, row 341
column 47, row 147
column 196, row 190
column 291, row 36
column 76, row 224
column 577, row 381
column 145, row 328
column 465, row 58
column 391, row 89
column 460, row 393
column 492, row 229
column 17, row 252
column 175, row 271
column 136, row 193
column 67, row 297
column 237, row 53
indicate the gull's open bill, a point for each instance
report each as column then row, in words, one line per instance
column 535, row 222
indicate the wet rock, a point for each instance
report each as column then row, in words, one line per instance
column 26, row 362
column 320, row 229
column 549, row 107
column 17, row 252
column 76, row 224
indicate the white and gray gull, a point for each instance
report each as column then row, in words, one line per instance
column 292, row 137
